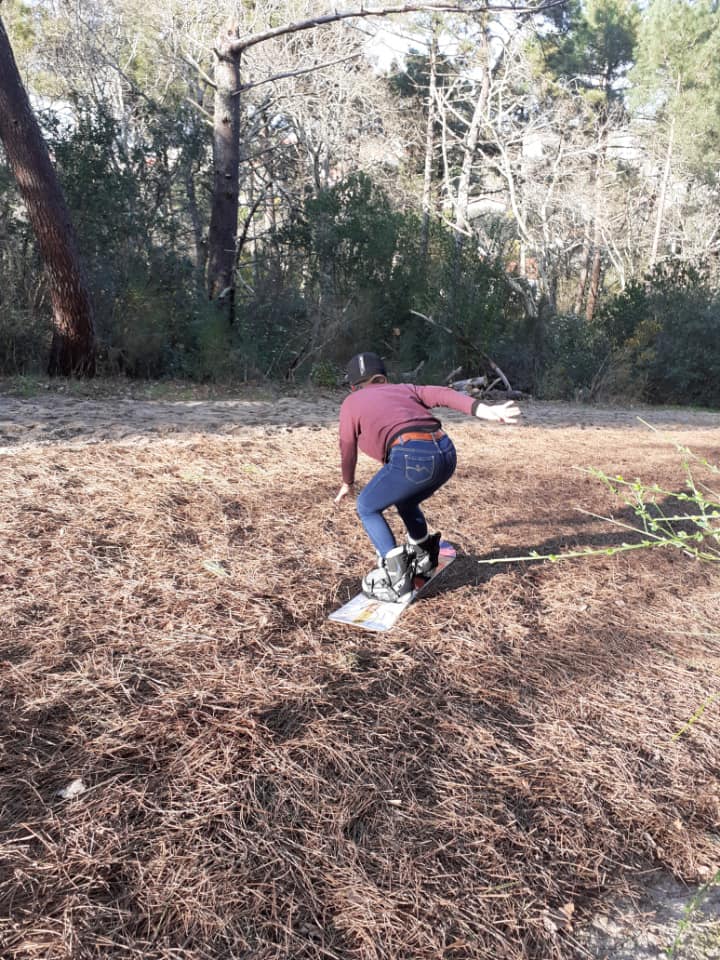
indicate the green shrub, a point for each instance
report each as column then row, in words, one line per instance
column 24, row 340
column 666, row 332
column 576, row 352
column 272, row 331
column 327, row 374
column 162, row 325
column 214, row 353
column 354, row 259
column 25, row 331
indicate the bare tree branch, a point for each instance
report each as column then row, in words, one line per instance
column 466, row 342
column 296, row 73
column 198, row 106
column 242, row 44
column 246, row 226
column 205, row 77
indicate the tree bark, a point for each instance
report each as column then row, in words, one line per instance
column 595, row 277
column 469, row 148
column 429, row 149
column 582, row 280
column 72, row 351
column 596, row 267
column 664, row 188
column 222, row 234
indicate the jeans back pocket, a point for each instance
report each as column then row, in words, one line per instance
column 419, row 469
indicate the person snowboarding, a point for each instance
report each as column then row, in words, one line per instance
column 393, row 423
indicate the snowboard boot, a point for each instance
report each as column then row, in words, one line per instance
column 425, row 553
column 392, row 581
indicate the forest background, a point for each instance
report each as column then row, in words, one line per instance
column 257, row 191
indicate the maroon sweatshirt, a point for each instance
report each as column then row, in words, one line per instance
column 374, row 415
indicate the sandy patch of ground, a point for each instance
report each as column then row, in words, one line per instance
column 53, row 417
column 668, row 920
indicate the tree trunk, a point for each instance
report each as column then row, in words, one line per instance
column 73, row 345
column 583, row 279
column 429, row 151
column 461, row 223
column 595, row 277
column 596, row 268
column 196, row 221
column 663, row 191
column 462, row 202
column 222, row 234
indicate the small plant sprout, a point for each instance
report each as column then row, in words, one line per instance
column 688, row 520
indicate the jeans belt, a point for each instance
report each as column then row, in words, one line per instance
column 418, row 435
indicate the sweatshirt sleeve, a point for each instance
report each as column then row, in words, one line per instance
column 348, row 445
column 446, row 397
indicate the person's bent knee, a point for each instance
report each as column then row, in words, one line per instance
column 361, row 509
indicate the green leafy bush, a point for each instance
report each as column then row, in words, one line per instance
column 468, row 295
column 24, row 340
column 576, row 352
column 24, row 312
column 325, row 373
column 355, row 262
column 666, row 332
column 272, row 330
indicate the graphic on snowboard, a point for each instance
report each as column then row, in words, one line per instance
column 378, row 616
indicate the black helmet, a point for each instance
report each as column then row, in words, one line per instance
column 363, row 366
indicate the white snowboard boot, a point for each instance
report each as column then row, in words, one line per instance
column 392, row 581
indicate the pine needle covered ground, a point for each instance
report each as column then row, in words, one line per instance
column 260, row 783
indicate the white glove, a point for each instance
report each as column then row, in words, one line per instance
column 507, row 412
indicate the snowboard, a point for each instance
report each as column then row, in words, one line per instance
column 379, row 616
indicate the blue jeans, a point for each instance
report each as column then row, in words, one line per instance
column 414, row 471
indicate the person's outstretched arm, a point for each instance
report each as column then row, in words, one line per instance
column 431, row 396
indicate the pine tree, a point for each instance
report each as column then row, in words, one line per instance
column 592, row 47
column 73, row 346
column 677, row 76
column 677, row 84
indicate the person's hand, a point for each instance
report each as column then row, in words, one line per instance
column 507, row 412
column 345, row 489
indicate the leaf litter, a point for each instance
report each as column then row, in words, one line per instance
column 261, row 783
